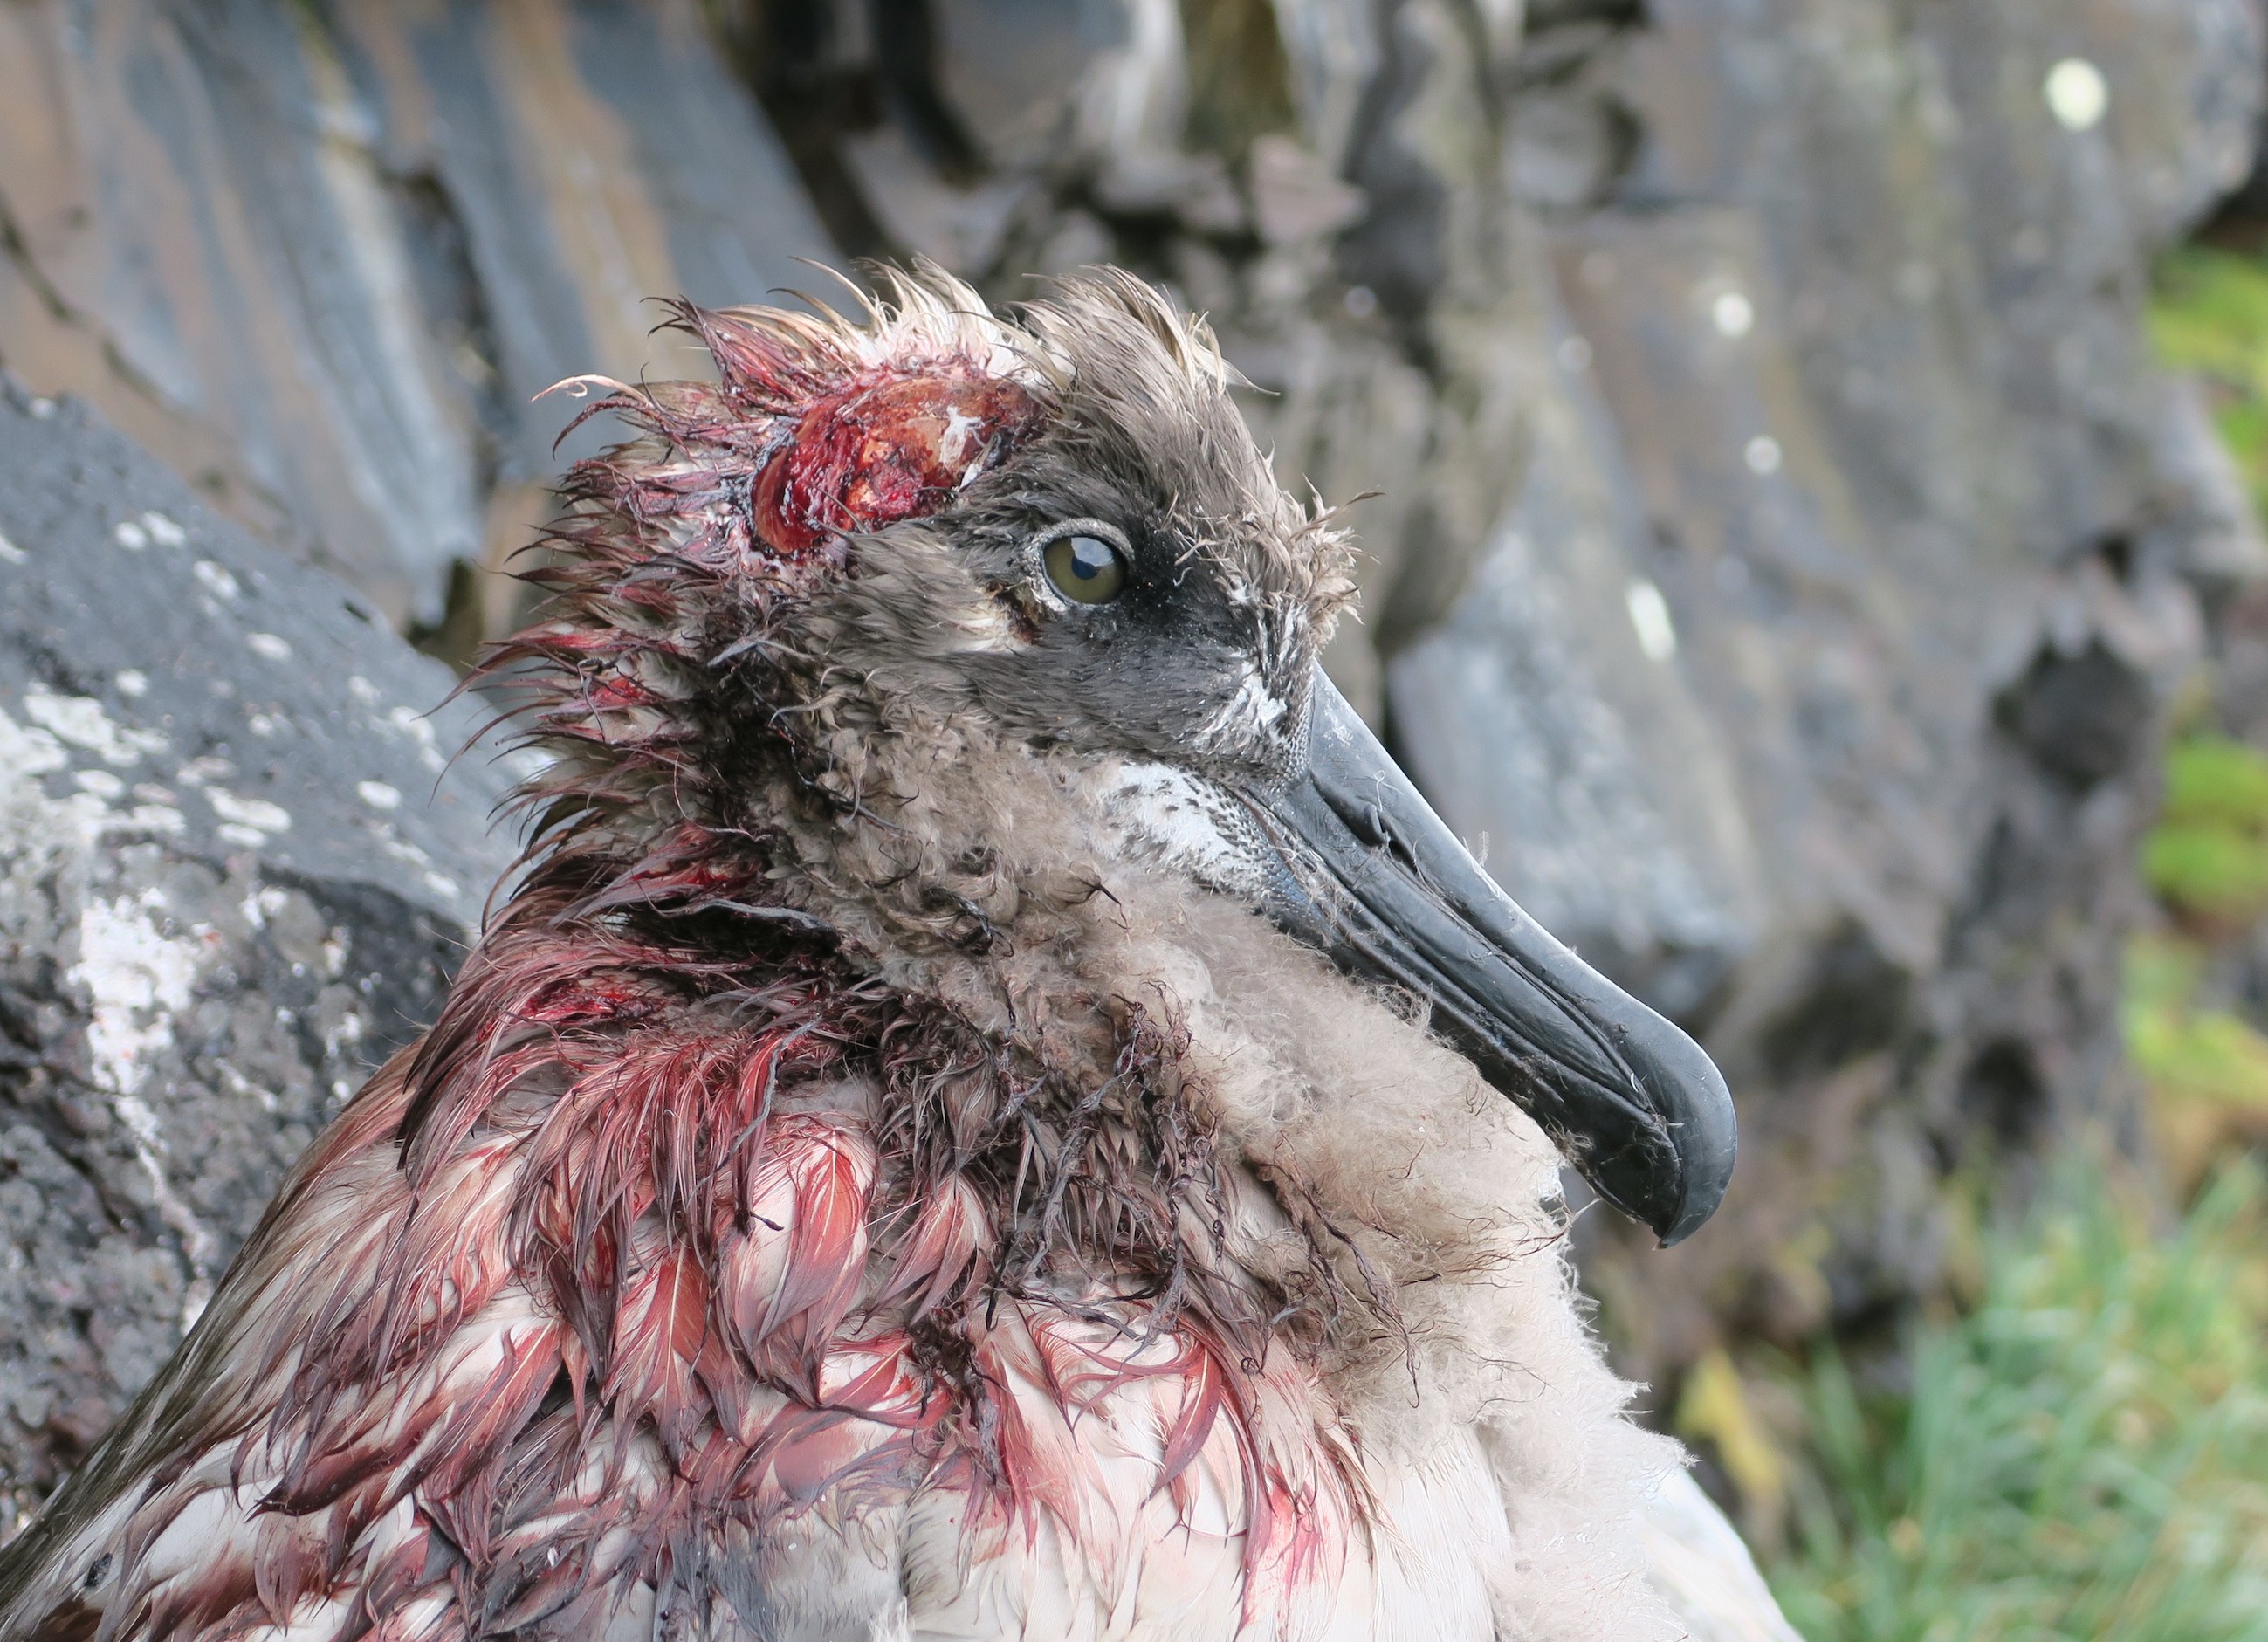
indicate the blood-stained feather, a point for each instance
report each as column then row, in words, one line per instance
column 658, row 1342
column 1203, row 1387
column 942, row 1252
column 794, row 1271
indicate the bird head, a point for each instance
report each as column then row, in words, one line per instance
column 837, row 616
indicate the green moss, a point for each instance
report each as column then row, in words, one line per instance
column 2212, row 780
column 2186, row 1054
column 2209, row 314
column 2208, row 854
column 2085, row 1455
column 2207, row 870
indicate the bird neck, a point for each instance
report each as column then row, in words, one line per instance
column 644, row 1025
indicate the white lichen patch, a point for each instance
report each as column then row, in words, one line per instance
column 392, row 843
column 136, row 979
column 400, row 849
column 237, row 1083
column 162, row 819
column 346, row 1035
column 132, row 972
column 26, row 753
column 1649, row 619
column 198, row 1243
column 81, row 721
column 2076, row 94
column 412, row 726
column 262, row 904
column 253, row 814
column 217, row 580
column 197, row 771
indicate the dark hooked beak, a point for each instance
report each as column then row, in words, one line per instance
column 1368, row 873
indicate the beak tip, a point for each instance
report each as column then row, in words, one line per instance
column 1679, row 1230
column 1712, row 1145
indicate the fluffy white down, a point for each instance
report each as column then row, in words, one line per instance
column 1393, row 1132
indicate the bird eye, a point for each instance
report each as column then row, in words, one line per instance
column 1083, row 569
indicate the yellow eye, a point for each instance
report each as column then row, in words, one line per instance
column 1085, row 570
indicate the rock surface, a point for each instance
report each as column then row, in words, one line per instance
column 322, row 258
column 1864, row 311
column 232, row 880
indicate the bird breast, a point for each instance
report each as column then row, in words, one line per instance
column 764, row 1449
column 632, row 1335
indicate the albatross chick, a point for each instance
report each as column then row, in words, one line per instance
column 983, row 1114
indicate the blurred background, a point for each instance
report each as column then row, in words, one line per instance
column 1817, row 445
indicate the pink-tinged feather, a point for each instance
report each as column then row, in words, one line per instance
column 793, row 1274
column 1043, row 1464
column 1203, row 1399
column 664, row 1320
column 830, row 1171
column 941, row 1253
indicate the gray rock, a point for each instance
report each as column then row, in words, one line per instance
column 233, row 878
column 1605, row 793
column 595, row 159
column 1865, row 314
column 324, row 257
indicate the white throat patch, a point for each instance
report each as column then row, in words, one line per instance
column 1167, row 818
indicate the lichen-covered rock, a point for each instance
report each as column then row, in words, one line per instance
column 1863, row 310
column 235, row 871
